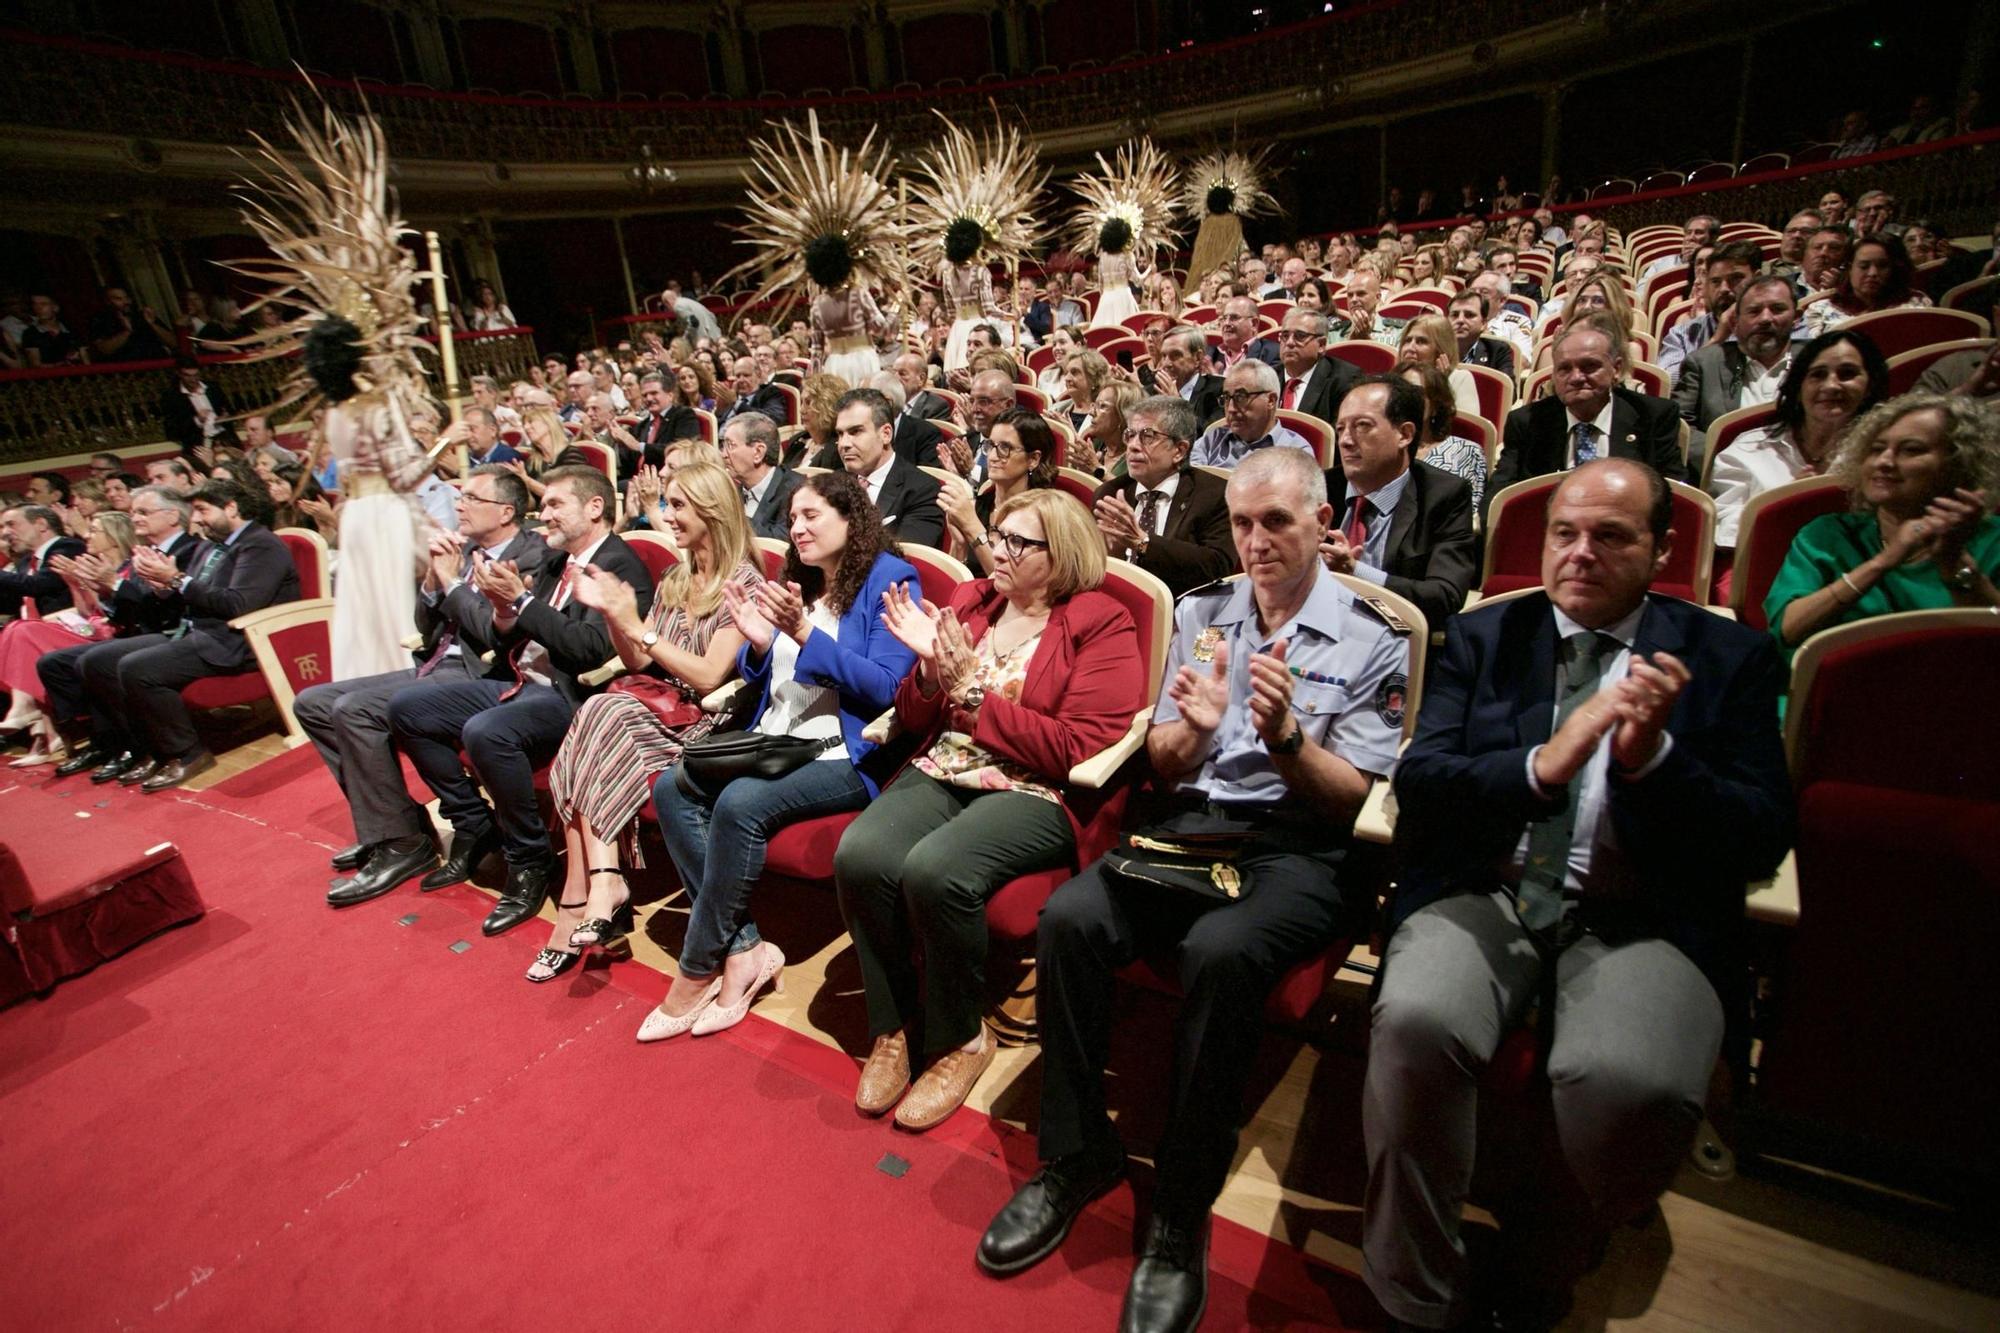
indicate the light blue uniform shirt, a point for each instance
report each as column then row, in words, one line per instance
column 1349, row 675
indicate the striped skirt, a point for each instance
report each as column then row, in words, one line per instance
column 606, row 766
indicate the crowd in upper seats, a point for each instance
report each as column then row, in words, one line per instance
column 1566, row 741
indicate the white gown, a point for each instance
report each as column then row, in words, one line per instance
column 375, row 590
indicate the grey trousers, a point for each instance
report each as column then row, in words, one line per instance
column 348, row 722
column 1637, row 1031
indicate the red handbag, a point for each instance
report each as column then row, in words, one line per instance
column 664, row 699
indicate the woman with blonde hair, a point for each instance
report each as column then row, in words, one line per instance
column 1430, row 266
column 812, row 444
column 1084, row 372
column 1026, row 673
column 86, row 619
column 686, row 648
column 1428, row 341
column 1101, row 449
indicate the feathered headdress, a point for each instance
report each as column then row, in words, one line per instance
column 340, row 272
column 975, row 196
column 1229, row 182
column 1129, row 203
column 820, row 213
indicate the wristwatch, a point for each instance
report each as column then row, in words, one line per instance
column 973, row 698
column 1966, row 577
column 1291, row 744
column 649, row 638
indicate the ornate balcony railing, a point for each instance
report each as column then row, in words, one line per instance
column 62, row 410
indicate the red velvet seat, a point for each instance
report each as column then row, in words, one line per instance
column 1764, row 536
column 1516, row 520
column 309, row 556
column 1908, row 328
column 1371, row 357
column 655, row 552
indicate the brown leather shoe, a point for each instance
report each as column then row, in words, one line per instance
column 176, row 771
column 885, row 1075
column 942, row 1088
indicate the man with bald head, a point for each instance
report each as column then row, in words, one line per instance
column 754, row 394
column 918, row 400
column 1238, row 326
column 1597, row 773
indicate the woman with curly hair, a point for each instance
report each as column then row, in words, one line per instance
column 1921, row 473
column 824, row 665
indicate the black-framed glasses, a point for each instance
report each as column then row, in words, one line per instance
column 1245, row 397
column 1149, row 437
column 479, row 499
column 1296, row 336
column 1014, row 543
column 1003, row 452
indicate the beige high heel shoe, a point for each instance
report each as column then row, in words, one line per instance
column 659, row 1025
column 716, row 1018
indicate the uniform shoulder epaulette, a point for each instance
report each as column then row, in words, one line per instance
column 1221, row 585
column 1384, row 613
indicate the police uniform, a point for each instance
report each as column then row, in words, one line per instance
column 1349, row 668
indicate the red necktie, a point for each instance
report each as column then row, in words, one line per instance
column 29, row 610
column 514, row 657
column 1357, row 524
column 1292, row 391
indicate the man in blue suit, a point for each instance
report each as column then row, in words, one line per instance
column 1596, row 775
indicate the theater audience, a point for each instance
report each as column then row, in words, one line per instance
column 1922, row 472
column 749, row 443
column 1313, row 382
column 1832, row 380
column 84, row 619
column 1084, row 373
column 754, row 393
column 125, row 331
column 1025, row 674
column 486, row 311
column 348, row 721
column 1238, row 326
column 814, row 443
column 1436, row 443
column 1403, row 525
column 46, row 340
column 1728, row 268
column 906, row 497
column 140, row 728
column 1878, row 276
column 1100, row 450
column 1163, row 515
column 1745, row 364
column 1570, row 743
column 664, row 422
column 1469, row 313
column 686, row 647
column 1249, row 418
column 1182, row 371
column 824, row 665
column 510, row 720
column 1064, row 344
column 30, row 586
column 1021, row 454
column 1247, row 736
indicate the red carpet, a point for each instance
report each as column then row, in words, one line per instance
column 283, row 1117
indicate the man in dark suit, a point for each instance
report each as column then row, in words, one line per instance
column 912, row 370
column 481, row 432
column 1748, row 362
column 1469, row 316
column 749, row 443
column 191, row 411
column 160, row 516
column 348, row 720
column 917, row 438
column 1182, row 372
column 1310, row 381
column 1165, row 517
column 35, row 533
column 1590, row 415
column 510, row 721
column 1400, row 524
column 665, row 421
column 1505, row 260
column 134, row 685
column 864, row 427
column 1596, row 775
column 1238, row 324
column 754, row 395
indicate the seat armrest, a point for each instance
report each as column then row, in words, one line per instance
column 883, row 729
column 1099, row 769
column 602, row 675
column 1376, row 821
column 725, row 698
column 1776, row 900
column 282, row 611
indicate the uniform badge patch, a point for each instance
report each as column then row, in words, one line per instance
column 1389, row 697
column 1204, row 644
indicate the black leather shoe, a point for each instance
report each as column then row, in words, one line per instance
column 139, row 773
column 466, row 854
column 352, row 857
column 526, row 887
column 174, row 772
column 391, row 864
column 1169, row 1288
column 116, row 767
column 1037, row 1219
column 87, row 758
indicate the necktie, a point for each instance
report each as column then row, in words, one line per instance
column 1357, row 524
column 522, row 648
column 1292, row 390
column 207, row 563
column 29, row 609
column 1540, row 903
column 1586, row 443
column 450, row 635
column 1149, row 513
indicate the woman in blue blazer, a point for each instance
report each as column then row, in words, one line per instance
column 825, row 665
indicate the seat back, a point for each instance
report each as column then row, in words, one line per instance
column 1418, row 639
column 1200, row 314
column 1514, row 524
column 937, row 573
column 1136, row 324
column 1906, row 368
column 772, row 551
column 293, row 645
column 1405, row 308
column 1496, row 393
column 1082, row 485
column 601, row 456
column 1095, row 338
column 1974, row 297
column 1726, row 429
column 1276, row 308
column 1371, row 357
column 309, row 556
column 1764, row 536
column 793, row 401
column 656, row 551
column 1026, row 395
column 1041, row 358
column 709, row 430
column 1690, row 568
column 1317, row 433
column 1650, row 379
column 1481, row 432
column 1907, row 328
column 1436, row 297
column 1151, row 606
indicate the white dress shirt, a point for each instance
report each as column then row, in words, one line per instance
column 1601, row 423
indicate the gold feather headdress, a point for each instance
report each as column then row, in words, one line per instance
column 337, row 244
column 1229, row 182
column 989, row 182
column 821, row 214
column 1136, row 188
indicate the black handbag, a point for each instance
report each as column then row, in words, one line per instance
column 713, row 762
column 1194, row 854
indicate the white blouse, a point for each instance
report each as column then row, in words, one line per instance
column 796, row 708
column 1759, row 460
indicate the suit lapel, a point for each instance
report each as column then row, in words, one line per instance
column 1623, row 442
column 1536, row 689
column 1177, row 507
column 1404, row 517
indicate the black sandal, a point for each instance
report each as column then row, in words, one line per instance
column 602, row 931
column 558, row 961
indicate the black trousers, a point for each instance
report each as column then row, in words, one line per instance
column 134, row 689
column 348, row 722
column 1227, row 959
column 62, row 679
column 505, row 740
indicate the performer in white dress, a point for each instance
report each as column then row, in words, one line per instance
column 1128, row 213
column 968, row 290
column 343, row 275
column 845, row 322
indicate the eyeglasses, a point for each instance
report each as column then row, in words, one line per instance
column 1149, row 437
column 478, row 499
column 1245, row 397
column 1296, row 336
column 1014, row 543
column 1003, row 452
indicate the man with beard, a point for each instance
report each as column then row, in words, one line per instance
column 1728, row 268
column 1745, row 367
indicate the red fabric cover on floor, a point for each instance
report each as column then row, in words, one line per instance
column 306, row 1119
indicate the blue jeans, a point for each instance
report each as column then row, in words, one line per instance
column 719, row 848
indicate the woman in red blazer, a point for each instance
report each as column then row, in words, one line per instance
column 1022, row 677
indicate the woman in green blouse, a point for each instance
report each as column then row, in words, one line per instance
column 1923, row 472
